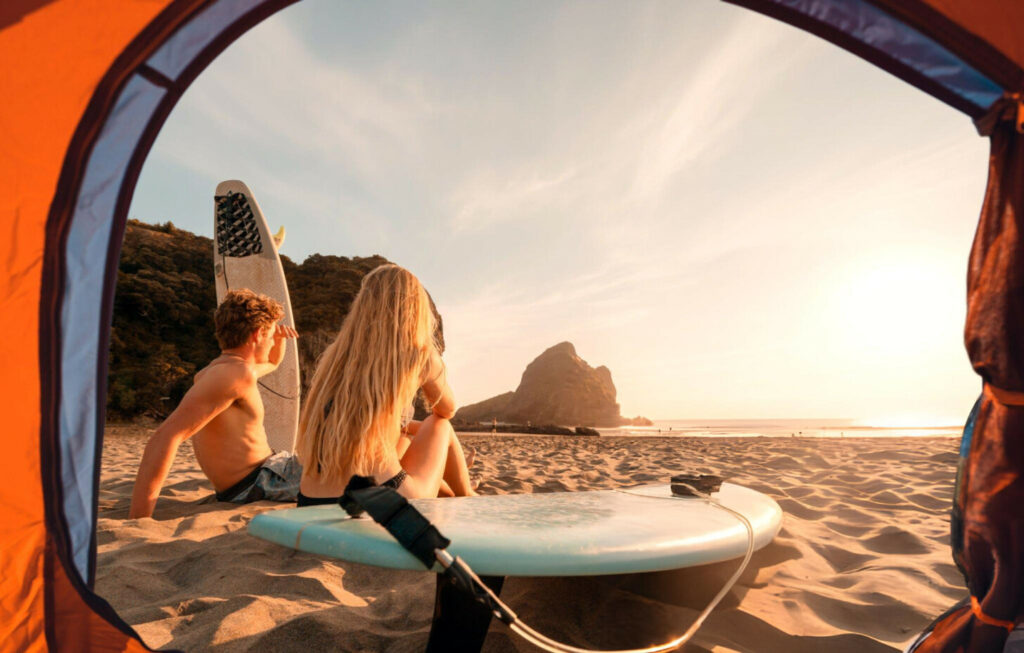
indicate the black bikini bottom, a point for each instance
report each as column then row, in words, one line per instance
column 394, row 483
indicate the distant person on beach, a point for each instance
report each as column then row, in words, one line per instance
column 223, row 414
column 355, row 418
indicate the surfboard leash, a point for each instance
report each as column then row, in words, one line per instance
column 275, row 392
column 419, row 537
column 422, row 539
column 391, row 510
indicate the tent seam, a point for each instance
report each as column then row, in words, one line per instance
column 980, row 54
column 863, row 50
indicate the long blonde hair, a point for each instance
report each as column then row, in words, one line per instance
column 364, row 380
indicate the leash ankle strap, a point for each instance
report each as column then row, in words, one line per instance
column 390, row 509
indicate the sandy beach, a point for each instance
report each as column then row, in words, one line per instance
column 862, row 562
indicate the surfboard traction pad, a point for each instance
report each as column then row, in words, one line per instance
column 237, row 233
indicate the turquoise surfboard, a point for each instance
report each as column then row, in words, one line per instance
column 552, row 534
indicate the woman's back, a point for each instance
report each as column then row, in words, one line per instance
column 360, row 398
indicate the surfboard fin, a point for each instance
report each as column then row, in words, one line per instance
column 279, row 237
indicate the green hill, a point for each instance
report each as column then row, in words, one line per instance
column 163, row 314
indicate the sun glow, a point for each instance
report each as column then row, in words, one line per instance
column 897, row 304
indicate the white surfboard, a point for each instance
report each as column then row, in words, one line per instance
column 552, row 534
column 245, row 256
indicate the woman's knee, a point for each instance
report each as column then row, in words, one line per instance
column 440, row 425
column 434, row 434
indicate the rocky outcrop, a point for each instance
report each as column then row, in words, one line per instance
column 486, row 410
column 558, row 387
column 533, row 429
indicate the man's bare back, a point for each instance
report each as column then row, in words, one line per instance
column 223, row 413
column 234, row 442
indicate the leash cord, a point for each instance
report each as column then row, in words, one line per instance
column 458, row 569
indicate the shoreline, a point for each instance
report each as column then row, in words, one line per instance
column 681, row 435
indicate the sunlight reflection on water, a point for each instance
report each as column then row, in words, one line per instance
column 778, row 428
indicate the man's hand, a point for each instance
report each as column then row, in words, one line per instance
column 281, row 336
column 282, row 331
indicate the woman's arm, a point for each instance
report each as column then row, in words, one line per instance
column 411, row 428
column 440, row 400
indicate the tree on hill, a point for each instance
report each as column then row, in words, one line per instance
column 163, row 319
column 322, row 289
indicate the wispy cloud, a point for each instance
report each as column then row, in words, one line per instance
column 489, row 198
column 724, row 90
column 616, row 168
column 317, row 137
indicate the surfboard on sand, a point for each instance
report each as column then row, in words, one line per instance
column 245, row 256
column 551, row 534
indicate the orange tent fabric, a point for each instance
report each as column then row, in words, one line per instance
column 87, row 86
column 44, row 99
column 990, row 546
column 64, row 63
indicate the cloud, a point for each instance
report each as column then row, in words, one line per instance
column 724, row 90
column 488, row 199
column 611, row 169
column 612, row 298
column 270, row 101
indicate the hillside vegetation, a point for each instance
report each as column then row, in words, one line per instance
column 163, row 314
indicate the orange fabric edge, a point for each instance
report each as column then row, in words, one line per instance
column 75, row 621
column 989, row 620
column 1005, row 397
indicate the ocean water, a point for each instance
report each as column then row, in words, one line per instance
column 815, row 428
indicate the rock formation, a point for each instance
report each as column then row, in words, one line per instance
column 558, row 387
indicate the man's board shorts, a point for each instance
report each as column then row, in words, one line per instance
column 277, row 479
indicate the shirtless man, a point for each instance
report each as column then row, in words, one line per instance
column 223, row 414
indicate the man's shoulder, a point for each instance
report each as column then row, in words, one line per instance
column 237, row 374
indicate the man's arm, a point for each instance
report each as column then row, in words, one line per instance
column 204, row 401
column 281, row 335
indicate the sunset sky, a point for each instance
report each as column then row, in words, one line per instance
column 739, row 219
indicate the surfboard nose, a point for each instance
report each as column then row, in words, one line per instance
column 232, row 186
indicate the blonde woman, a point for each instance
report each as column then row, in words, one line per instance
column 355, row 421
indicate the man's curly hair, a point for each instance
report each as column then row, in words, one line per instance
column 241, row 313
